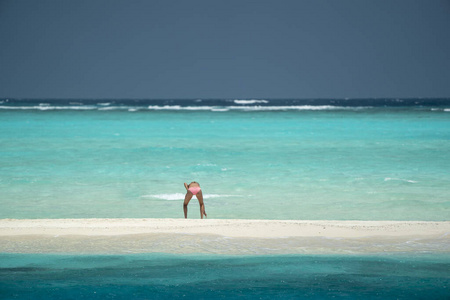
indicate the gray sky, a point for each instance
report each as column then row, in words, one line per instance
column 224, row 49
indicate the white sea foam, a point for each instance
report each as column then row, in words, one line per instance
column 129, row 108
column 399, row 179
column 250, row 101
column 179, row 107
column 441, row 109
column 254, row 108
column 43, row 106
column 180, row 196
column 112, row 108
column 104, row 104
column 288, row 107
column 81, row 107
column 87, row 107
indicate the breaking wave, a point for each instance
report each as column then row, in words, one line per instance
column 250, row 101
column 183, row 108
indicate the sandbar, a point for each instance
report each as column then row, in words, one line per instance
column 222, row 236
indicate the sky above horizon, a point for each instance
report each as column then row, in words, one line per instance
column 224, row 49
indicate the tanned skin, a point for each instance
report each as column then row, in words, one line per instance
column 188, row 198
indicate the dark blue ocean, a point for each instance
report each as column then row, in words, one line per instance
column 163, row 276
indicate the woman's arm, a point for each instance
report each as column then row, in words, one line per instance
column 186, row 186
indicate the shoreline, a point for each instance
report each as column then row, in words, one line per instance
column 222, row 236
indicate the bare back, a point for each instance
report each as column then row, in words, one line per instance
column 194, row 184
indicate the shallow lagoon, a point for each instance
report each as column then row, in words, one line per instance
column 351, row 163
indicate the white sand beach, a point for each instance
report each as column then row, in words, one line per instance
column 221, row 236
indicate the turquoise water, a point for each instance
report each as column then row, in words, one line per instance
column 268, row 162
column 162, row 276
column 371, row 163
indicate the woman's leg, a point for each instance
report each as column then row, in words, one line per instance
column 202, row 205
column 187, row 198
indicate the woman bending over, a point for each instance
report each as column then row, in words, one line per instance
column 192, row 189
